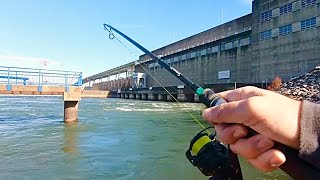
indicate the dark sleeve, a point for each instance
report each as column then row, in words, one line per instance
column 310, row 133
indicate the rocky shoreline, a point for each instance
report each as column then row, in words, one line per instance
column 303, row 87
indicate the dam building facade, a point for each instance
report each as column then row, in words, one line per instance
column 279, row 38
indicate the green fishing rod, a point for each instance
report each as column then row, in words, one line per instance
column 208, row 154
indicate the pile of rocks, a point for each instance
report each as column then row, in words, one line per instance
column 304, row 87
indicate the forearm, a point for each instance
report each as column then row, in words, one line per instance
column 310, row 133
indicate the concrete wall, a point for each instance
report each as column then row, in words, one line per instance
column 283, row 55
column 214, row 34
column 260, row 61
column 233, row 54
column 124, row 83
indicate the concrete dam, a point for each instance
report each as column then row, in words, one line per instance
column 279, row 38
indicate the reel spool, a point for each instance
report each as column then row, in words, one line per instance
column 210, row 156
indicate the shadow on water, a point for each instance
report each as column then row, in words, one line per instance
column 70, row 137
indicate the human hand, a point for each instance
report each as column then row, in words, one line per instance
column 273, row 116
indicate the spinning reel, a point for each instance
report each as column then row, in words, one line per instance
column 212, row 157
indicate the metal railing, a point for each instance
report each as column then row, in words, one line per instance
column 38, row 77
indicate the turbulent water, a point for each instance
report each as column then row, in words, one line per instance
column 114, row 139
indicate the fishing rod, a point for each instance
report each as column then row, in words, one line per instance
column 207, row 153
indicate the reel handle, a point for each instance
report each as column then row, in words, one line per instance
column 294, row 166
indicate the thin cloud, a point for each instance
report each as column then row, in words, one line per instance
column 12, row 60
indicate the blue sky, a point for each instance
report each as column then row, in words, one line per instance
column 69, row 34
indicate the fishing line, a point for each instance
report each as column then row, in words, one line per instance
column 112, row 36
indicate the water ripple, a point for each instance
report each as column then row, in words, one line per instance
column 114, row 139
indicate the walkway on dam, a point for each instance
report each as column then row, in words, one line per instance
column 29, row 81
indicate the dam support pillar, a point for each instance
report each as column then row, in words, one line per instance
column 132, row 96
column 182, row 97
column 138, row 96
column 161, row 97
column 196, row 98
column 153, row 97
column 144, row 96
column 71, row 104
column 170, row 98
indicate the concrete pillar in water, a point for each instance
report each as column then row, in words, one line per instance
column 126, row 96
column 122, row 95
column 71, row 111
column 144, row 96
column 138, row 96
column 118, row 95
column 196, row 98
column 71, row 104
column 182, row 97
column 151, row 97
column 132, row 96
column 160, row 97
column 169, row 98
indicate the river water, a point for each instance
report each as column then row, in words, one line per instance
column 114, row 139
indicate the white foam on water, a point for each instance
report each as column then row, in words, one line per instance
column 141, row 109
column 124, row 109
